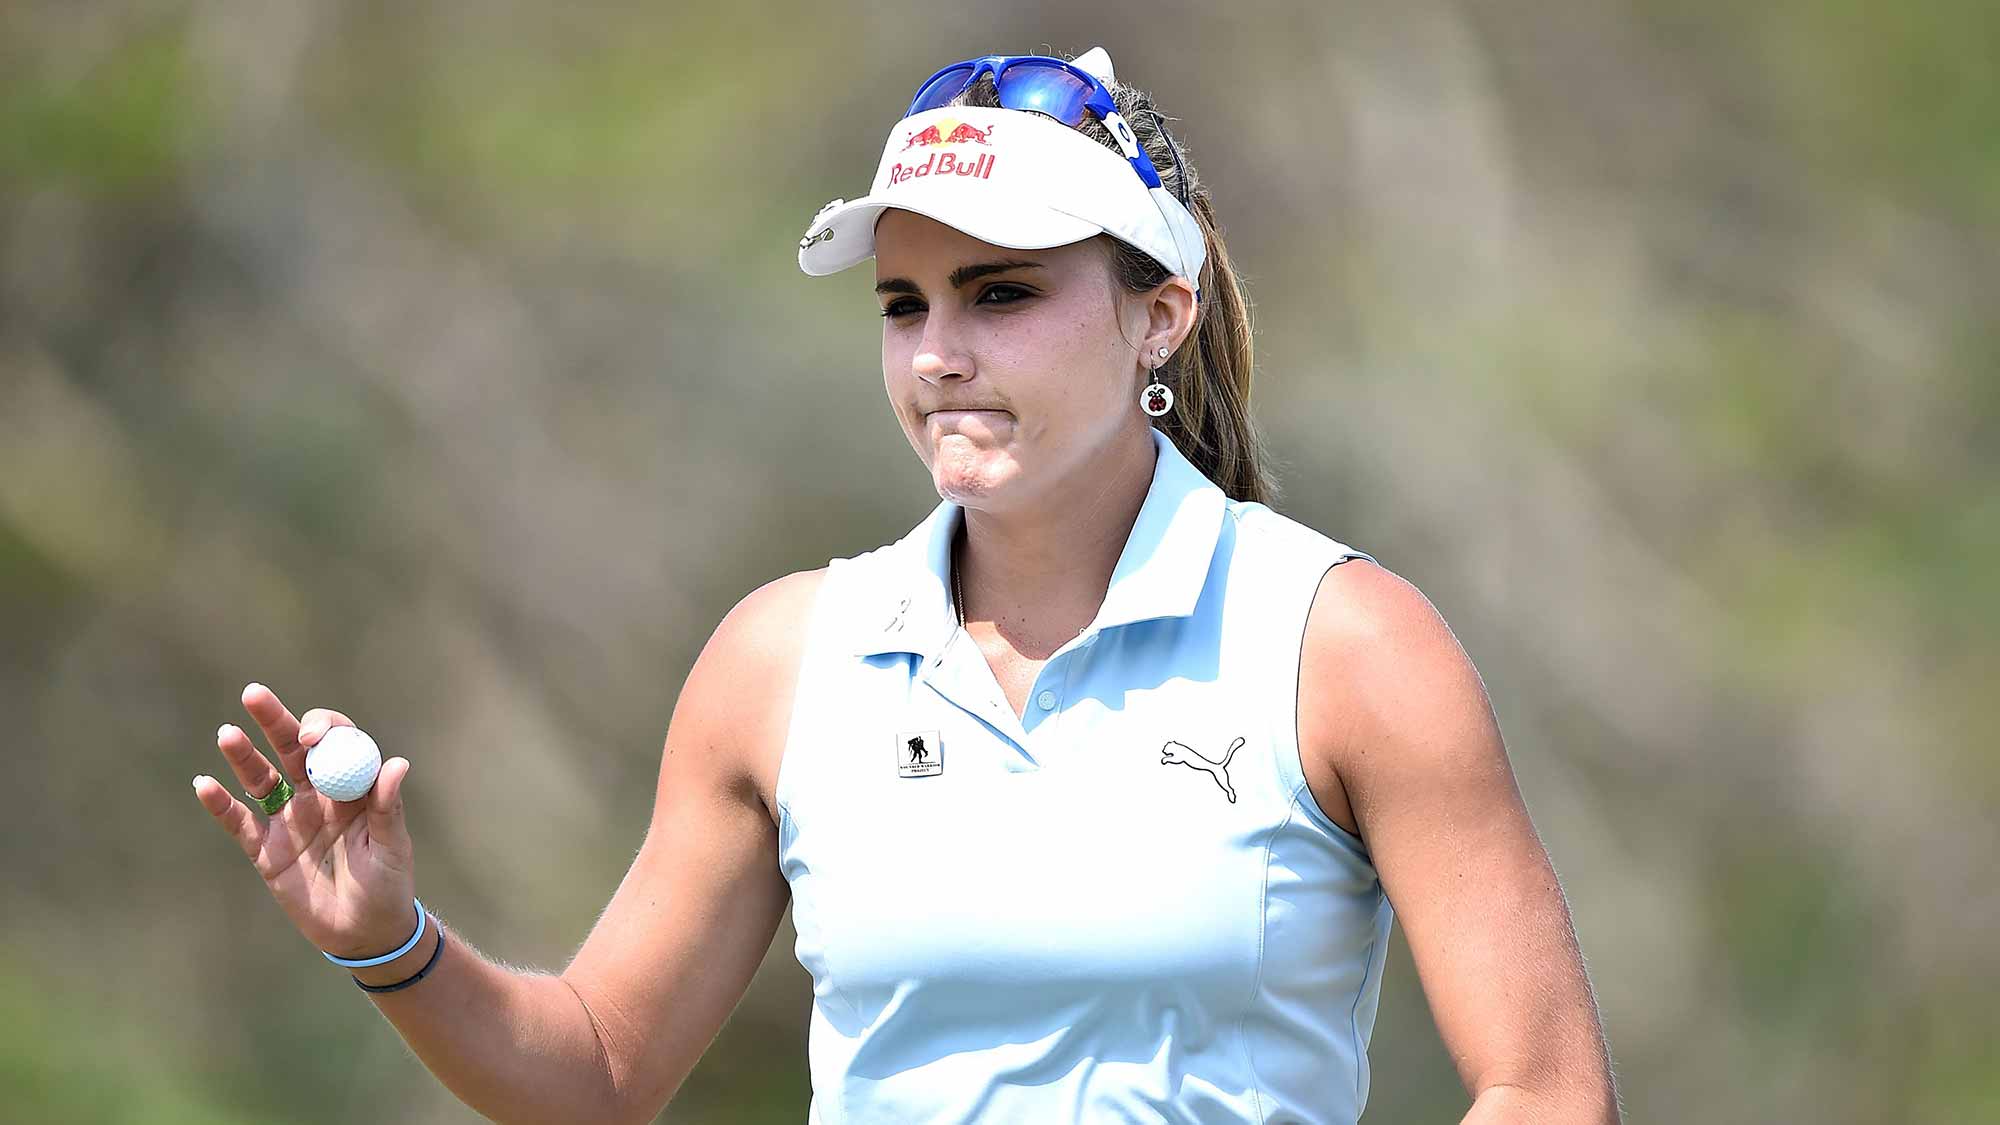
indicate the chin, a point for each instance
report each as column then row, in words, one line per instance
column 976, row 480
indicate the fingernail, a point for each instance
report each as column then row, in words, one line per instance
column 196, row 783
column 222, row 731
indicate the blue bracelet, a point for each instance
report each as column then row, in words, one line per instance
column 386, row 957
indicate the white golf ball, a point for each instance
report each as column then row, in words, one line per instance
column 343, row 764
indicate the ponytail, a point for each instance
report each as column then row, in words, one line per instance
column 1210, row 422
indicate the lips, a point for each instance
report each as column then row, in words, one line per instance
column 979, row 425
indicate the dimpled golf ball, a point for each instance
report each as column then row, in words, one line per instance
column 343, row 764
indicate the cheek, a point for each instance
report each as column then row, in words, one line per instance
column 896, row 375
column 897, row 385
column 1095, row 344
column 1097, row 363
column 895, row 357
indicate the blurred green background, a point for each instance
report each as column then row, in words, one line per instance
column 449, row 364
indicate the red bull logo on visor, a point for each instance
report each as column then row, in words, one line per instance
column 945, row 132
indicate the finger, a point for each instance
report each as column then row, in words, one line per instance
column 317, row 722
column 254, row 771
column 232, row 814
column 280, row 729
column 386, row 825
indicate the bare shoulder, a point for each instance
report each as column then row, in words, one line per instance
column 1387, row 694
column 738, row 697
column 1363, row 606
column 769, row 623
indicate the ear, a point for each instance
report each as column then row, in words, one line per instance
column 1170, row 317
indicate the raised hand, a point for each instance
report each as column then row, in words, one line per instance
column 342, row 871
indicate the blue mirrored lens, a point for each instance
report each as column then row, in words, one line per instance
column 1040, row 88
column 942, row 89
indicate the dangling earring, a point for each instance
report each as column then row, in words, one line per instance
column 1157, row 399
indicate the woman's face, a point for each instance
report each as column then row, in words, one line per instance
column 1013, row 372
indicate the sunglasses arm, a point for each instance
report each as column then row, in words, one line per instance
column 1129, row 145
column 1170, row 208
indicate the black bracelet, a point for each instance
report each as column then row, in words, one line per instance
column 407, row 982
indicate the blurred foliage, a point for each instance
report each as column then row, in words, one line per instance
column 120, row 124
column 53, row 1064
column 449, row 364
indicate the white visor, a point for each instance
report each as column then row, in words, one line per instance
column 1012, row 178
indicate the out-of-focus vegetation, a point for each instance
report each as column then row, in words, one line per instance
column 448, row 364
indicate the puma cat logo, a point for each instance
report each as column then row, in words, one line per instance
column 1174, row 753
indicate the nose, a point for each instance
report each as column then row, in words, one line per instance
column 941, row 354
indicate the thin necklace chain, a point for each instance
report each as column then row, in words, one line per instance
column 957, row 589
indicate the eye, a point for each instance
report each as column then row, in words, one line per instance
column 904, row 306
column 1018, row 292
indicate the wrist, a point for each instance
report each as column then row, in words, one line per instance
column 397, row 953
column 408, row 965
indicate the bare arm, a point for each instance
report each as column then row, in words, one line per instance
column 613, row 1036
column 1399, row 739
column 516, row 1047
column 676, row 948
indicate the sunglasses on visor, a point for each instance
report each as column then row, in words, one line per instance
column 1048, row 86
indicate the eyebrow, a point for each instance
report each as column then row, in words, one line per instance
column 958, row 277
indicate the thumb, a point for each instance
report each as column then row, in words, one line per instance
column 385, row 807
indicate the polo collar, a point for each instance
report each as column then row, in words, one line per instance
column 1160, row 573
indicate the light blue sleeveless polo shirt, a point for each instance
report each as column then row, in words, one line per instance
column 1123, row 906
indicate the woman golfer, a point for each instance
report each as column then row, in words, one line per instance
column 1090, row 795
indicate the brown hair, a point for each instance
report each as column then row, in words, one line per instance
column 1210, row 422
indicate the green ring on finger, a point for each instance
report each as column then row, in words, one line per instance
column 274, row 800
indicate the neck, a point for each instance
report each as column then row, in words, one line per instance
column 1039, row 574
